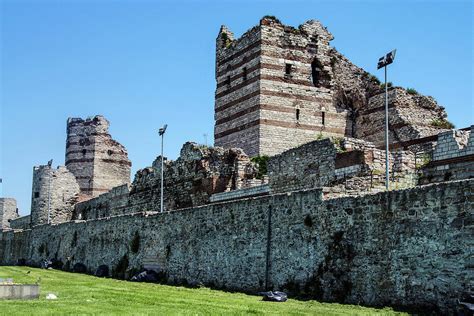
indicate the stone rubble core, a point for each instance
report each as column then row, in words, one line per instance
column 278, row 87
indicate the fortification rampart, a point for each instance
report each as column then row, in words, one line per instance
column 23, row 222
column 190, row 181
column 404, row 248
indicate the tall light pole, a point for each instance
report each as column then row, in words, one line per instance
column 50, row 163
column 162, row 134
column 384, row 62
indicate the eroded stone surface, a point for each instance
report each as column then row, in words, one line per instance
column 279, row 87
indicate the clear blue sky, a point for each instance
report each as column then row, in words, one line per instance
column 145, row 63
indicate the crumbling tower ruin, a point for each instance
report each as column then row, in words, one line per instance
column 279, row 87
column 98, row 162
column 54, row 193
column 8, row 211
column 273, row 88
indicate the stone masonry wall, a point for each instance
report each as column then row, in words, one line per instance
column 60, row 186
column 189, row 181
column 8, row 212
column 98, row 162
column 309, row 166
column 278, row 87
column 410, row 117
column 23, row 222
column 405, row 248
column 112, row 203
column 343, row 166
column 452, row 158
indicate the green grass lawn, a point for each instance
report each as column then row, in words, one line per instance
column 84, row 294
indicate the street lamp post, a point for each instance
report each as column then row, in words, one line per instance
column 162, row 134
column 384, row 62
column 50, row 163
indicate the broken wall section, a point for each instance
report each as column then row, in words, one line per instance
column 189, row 181
column 411, row 115
column 452, row 158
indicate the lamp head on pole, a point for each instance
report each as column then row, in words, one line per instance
column 387, row 59
column 163, row 130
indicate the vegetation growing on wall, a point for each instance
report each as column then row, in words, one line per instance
column 261, row 162
column 442, row 123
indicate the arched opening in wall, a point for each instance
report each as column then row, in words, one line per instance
column 297, row 114
column 84, row 151
column 244, row 73
column 323, row 118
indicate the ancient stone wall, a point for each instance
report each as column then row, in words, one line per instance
column 112, row 203
column 54, row 189
column 411, row 116
column 189, row 181
column 8, row 212
column 309, row 166
column 452, row 158
column 23, row 222
column 343, row 166
column 98, row 162
column 237, row 91
column 279, row 87
column 295, row 86
column 405, row 248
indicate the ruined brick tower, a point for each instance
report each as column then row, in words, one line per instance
column 273, row 88
column 98, row 162
column 279, row 87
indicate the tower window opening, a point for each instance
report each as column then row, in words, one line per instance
column 288, row 69
column 323, row 118
column 244, row 73
column 227, row 81
column 297, row 114
column 84, row 151
column 315, row 72
column 37, row 195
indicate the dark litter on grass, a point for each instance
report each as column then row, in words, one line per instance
column 146, row 276
column 274, row 296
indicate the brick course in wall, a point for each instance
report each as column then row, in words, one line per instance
column 98, row 162
column 278, row 87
